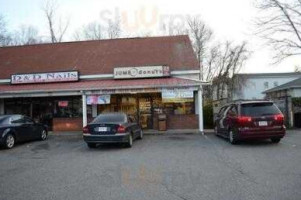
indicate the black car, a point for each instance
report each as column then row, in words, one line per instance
column 19, row 128
column 112, row 128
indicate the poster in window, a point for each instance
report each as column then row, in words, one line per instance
column 177, row 95
column 104, row 99
column 91, row 100
column 63, row 104
column 98, row 99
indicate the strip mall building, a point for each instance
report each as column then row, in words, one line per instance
column 65, row 85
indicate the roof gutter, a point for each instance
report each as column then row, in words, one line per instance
column 111, row 76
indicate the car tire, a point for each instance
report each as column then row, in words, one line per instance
column 140, row 135
column 129, row 144
column 9, row 141
column 91, row 145
column 43, row 135
column 232, row 137
column 275, row 140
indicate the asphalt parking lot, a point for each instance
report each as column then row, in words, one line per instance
column 157, row 167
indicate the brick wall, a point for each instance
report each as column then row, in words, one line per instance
column 67, row 124
column 182, row 122
column 173, row 122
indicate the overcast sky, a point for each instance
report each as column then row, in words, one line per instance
column 230, row 20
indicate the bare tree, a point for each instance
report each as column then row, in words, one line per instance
column 227, row 60
column 297, row 69
column 219, row 61
column 280, row 26
column 26, row 35
column 113, row 29
column 200, row 35
column 5, row 37
column 91, row 31
column 96, row 31
column 57, row 28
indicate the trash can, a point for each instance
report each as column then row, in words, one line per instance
column 162, row 122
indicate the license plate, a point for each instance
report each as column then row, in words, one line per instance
column 263, row 123
column 101, row 129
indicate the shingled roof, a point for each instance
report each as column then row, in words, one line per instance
column 98, row 56
column 292, row 84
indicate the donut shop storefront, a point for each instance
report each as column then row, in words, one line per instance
column 66, row 85
column 61, row 100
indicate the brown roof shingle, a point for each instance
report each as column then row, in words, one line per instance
column 98, row 56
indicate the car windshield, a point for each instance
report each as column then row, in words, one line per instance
column 259, row 109
column 110, row 118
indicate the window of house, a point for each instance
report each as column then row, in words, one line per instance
column 275, row 84
column 266, row 85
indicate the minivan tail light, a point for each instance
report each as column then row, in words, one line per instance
column 86, row 129
column 279, row 117
column 244, row 119
column 121, row 129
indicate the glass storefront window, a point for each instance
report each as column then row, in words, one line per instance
column 185, row 108
column 17, row 106
column 48, row 107
column 69, row 107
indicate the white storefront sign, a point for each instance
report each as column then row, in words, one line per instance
column 177, row 93
column 141, row 72
column 98, row 99
column 49, row 77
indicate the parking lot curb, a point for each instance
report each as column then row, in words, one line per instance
column 146, row 132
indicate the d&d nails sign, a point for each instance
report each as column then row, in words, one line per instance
column 45, row 77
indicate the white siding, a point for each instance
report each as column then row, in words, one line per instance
column 253, row 86
column 296, row 92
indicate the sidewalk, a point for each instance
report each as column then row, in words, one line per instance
column 146, row 132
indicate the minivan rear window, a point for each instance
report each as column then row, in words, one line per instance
column 259, row 109
column 110, row 118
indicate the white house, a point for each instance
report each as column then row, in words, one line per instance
column 252, row 86
column 288, row 98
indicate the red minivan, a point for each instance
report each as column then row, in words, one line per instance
column 243, row 120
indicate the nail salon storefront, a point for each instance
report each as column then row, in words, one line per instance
column 68, row 98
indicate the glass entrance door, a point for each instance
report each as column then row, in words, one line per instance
column 145, row 112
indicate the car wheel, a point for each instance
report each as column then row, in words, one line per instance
column 232, row 137
column 9, row 141
column 275, row 140
column 91, row 145
column 129, row 144
column 140, row 135
column 44, row 135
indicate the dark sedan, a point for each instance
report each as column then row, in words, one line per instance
column 112, row 128
column 19, row 128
